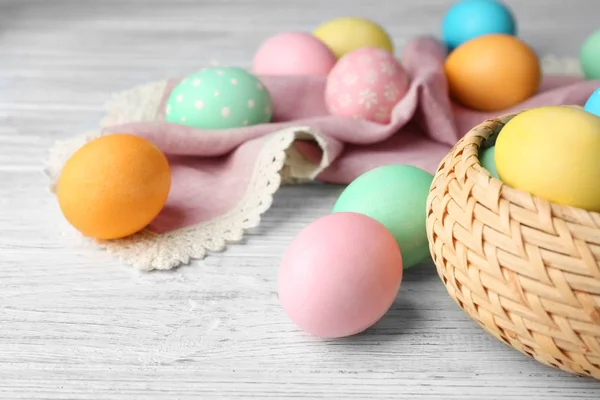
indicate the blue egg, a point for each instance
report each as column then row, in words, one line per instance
column 592, row 105
column 468, row 19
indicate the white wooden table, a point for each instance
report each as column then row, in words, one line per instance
column 77, row 324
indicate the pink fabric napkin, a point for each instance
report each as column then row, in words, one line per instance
column 212, row 170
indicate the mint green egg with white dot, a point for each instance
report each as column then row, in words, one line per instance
column 219, row 98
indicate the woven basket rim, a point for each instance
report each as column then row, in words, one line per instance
column 480, row 134
column 525, row 269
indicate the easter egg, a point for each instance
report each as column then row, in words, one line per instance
column 468, row 19
column 113, row 186
column 293, row 53
column 366, row 83
column 486, row 159
column 346, row 34
column 592, row 105
column 339, row 275
column 589, row 56
column 552, row 152
column 396, row 196
column 219, row 98
column 492, row 72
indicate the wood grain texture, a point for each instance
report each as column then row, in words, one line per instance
column 77, row 324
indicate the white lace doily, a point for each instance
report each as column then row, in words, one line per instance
column 277, row 163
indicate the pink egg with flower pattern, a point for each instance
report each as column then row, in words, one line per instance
column 366, row 83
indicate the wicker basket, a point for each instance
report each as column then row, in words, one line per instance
column 527, row 270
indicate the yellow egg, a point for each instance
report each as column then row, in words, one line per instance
column 552, row 152
column 343, row 35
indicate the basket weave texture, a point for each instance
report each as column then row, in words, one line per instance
column 525, row 269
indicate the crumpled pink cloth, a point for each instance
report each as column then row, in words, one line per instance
column 211, row 169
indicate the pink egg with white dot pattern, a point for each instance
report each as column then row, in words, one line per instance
column 366, row 83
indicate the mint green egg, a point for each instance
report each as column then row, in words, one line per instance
column 486, row 159
column 589, row 56
column 396, row 196
column 219, row 98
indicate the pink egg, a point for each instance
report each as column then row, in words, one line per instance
column 293, row 53
column 366, row 83
column 340, row 275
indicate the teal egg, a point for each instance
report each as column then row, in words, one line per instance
column 589, row 56
column 219, row 98
column 486, row 159
column 396, row 196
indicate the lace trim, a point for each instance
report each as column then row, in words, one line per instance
column 555, row 65
column 278, row 163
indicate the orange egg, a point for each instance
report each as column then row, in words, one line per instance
column 114, row 186
column 493, row 72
